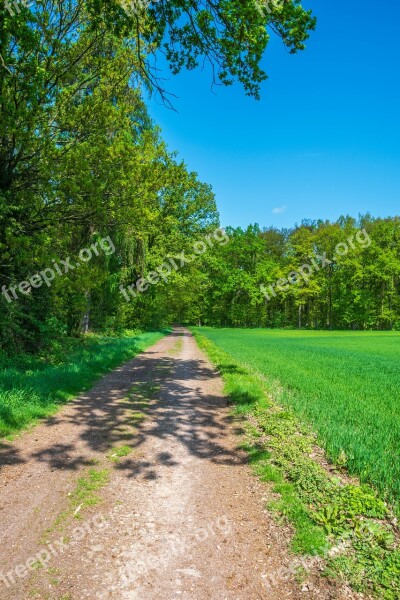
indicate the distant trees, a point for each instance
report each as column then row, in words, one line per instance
column 354, row 289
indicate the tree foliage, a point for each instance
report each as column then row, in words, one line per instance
column 357, row 288
column 80, row 159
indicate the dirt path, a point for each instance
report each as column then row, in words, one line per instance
column 181, row 516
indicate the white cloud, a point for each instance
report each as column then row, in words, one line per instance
column 279, row 210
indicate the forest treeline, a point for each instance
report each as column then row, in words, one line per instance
column 351, row 277
column 82, row 162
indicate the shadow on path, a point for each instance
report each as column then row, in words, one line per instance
column 158, row 395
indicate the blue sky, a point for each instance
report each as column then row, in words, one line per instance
column 324, row 140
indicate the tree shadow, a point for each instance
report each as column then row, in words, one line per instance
column 9, row 455
column 242, row 398
column 148, row 399
column 230, row 369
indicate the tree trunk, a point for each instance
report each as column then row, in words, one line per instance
column 86, row 317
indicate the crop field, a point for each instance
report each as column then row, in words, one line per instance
column 346, row 385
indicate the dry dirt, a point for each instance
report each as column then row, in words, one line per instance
column 181, row 517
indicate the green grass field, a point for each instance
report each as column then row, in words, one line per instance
column 33, row 387
column 345, row 385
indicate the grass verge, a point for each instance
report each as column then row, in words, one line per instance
column 35, row 388
column 347, row 524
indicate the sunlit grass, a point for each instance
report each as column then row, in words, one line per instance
column 121, row 452
column 346, row 385
column 37, row 388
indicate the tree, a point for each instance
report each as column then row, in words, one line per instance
column 230, row 35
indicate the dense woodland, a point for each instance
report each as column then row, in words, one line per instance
column 80, row 161
column 354, row 289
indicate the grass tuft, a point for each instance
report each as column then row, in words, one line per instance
column 117, row 453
